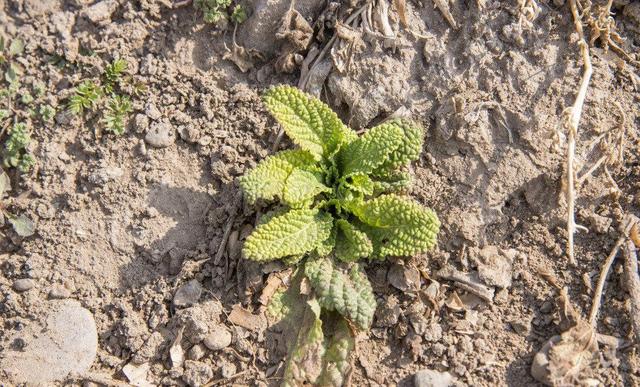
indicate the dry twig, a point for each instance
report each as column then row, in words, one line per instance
column 571, row 119
column 633, row 284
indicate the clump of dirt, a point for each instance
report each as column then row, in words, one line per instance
column 145, row 229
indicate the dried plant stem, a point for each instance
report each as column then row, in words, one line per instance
column 572, row 127
column 633, row 284
column 597, row 295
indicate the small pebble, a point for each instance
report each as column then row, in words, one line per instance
column 188, row 294
column 196, row 352
column 219, row 338
column 431, row 378
column 59, row 292
column 160, row 135
column 152, row 111
column 24, row 284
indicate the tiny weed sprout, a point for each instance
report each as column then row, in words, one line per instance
column 85, row 98
column 109, row 94
column 113, row 74
column 341, row 201
column 46, row 113
column 118, row 108
column 217, row 11
column 15, row 152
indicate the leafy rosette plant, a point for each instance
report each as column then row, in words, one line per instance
column 340, row 203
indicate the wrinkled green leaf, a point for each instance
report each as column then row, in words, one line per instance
column 370, row 150
column 311, row 124
column 337, row 358
column 412, row 140
column 351, row 243
column 345, row 290
column 360, row 182
column 391, row 182
column 302, row 186
column 293, row 233
column 397, row 225
column 267, row 180
column 22, row 225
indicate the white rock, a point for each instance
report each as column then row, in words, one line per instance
column 219, row 338
column 63, row 341
column 101, row 11
column 160, row 135
column 431, row 378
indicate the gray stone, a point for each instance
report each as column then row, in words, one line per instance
column 101, row 11
column 152, row 111
column 218, row 338
column 24, row 284
column 188, row 294
column 59, row 292
column 160, row 135
column 431, row 378
column 196, row 352
column 63, row 341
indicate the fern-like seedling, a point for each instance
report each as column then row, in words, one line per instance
column 86, row 97
column 118, row 108
column 340, row 202
column 113, row 74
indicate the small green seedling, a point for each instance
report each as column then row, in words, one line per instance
column 341, row 202
column 22, row 225
column 217, row 11
column 46, row 113
column 15, row 153
column 109, row 94
column 85, row 98
column 118, row 107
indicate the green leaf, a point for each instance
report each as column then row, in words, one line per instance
column 351, row 243
column 370, row 150
column 411, row 144
column 337, row 364
column 267, row 180
column 302, row 186
column 397, row 226
column 22, row 225
column 296, row 232
column 392, row 181
column 325, row 248
column 305, row 357
column 344, row 290
column 16, row 47
column 360, row 182
column 310, row 123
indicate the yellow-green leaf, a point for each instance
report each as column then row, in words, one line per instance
column 310, row 123
column 293, row 233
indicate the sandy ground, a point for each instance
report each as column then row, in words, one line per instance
column 132, row 231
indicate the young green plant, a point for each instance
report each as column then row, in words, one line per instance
column 109, row 94
column 341, row 201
